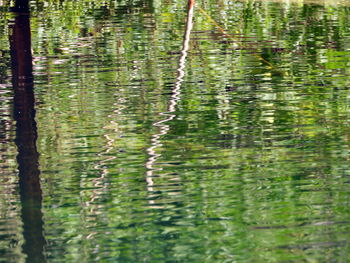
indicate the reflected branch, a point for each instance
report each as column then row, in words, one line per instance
column 26, row 135
column 174, row 99
column 226, row 34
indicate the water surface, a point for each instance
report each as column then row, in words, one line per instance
column 139, row 133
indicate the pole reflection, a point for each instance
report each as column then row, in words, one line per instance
column 174, row 98
column 26, row 134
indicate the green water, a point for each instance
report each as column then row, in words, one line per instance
column 156, row 136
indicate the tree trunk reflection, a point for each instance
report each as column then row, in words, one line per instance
column 26, row 135
column 173, row 101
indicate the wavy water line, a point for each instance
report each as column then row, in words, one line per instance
column 99, row 182
column 174, row 99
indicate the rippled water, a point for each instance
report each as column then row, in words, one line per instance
column 154, row 134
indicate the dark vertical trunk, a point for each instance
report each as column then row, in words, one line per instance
column 21, row 6
column 26, row 135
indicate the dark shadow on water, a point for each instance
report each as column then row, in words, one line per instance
column 26, row 135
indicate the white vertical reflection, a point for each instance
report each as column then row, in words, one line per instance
column 174, row 98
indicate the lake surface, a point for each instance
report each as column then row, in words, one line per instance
column 146, row 131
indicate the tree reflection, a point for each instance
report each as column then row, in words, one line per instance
column 26, row 134
column 173, row 101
